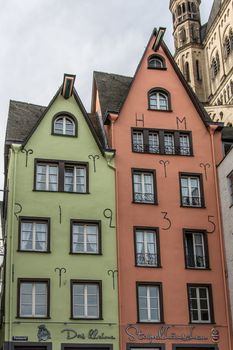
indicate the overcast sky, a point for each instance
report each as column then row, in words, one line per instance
column 43, row 39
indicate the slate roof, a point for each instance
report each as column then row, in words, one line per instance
column 21, row 120
column 213, row 13
column 23, row 117
column 227, row 134
column 112, row 89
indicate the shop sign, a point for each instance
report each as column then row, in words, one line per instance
column 20, row 338
column 93, row 334
column 165, row 332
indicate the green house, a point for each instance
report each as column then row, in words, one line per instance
column 60, row 285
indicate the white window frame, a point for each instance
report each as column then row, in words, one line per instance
column 142, row 175
column 184, row 148
column 138, row 141
column 145, row 243
column 85, row 235
column 85, row 305
column 74, row 168
column 47, row 174
column 155, row 96
column 199, row 320
column 194, row 248
column 33, row 299
column 169, row 143
column 34, row 223
column 153, row 142
column 148, row 303
column 190, row 177
column 64, row 129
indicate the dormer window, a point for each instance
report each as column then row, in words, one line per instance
column 65, row 125
column 156, row 62
column 158, row 100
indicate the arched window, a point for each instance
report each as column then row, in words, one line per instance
column 198, row 70
column 227, row 46
column 179, row 10
column 186, row 72
column 231, row 38
column 64, row 125
column 215, row 66
column 156, row 62
column 183, row 35
column 183, row 7
column 158, row 100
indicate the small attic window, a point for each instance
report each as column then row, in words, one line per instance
column 156, row 62
column 159, row 99
column 64, row 124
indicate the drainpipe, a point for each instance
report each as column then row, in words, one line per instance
column 113, row 118
column 212, row 129
column 14, row 153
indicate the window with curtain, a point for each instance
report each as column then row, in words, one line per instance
column 34, row 235
column 146, row 244
column 85, row 237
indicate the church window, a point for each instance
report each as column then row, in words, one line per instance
column 215, row 66
column 183, row 7
column 182, row 35
column 179, row 10
column 198, row 70
column 156, row 62
column 227, row 46
column 187, row 72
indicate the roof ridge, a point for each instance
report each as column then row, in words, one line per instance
column 27, row 103
column 119, row 75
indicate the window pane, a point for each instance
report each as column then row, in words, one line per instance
column 138, row 141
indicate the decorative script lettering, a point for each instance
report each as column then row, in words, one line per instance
column 93, row 334
column 165, row 332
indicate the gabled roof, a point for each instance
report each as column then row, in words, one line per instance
column 23, row 119
column 112, row 89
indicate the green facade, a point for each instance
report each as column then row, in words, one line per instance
column 60, row 207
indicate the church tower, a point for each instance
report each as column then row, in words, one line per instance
column 188, row 48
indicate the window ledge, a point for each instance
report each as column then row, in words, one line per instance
column 192, row 207
column 148, row 322
column 33, row 318
column 89, row 254
column 154, row 203
column 165, row 154
column 33, row 251
column 158, row 68
column 149, row 267
column 160, row 110
column 44, row 191
column 63, row 135
column 198, row 268
column 86, row 319
column 203, row 323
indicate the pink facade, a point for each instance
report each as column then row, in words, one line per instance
column 170, row 259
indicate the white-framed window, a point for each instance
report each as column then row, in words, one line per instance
column 75, row 179
column 46, row 177
column 64, row 125
column 146, row 247
column 34, row 235
column 138, row 143
column 153, row 138
column 191, row 191
column 85, row 237
column 86, row 300
column 200, row 304
column 155, row 62
column 149, row 300
column 169, row 145
column 158, row 100
column 33, row 299
column 143, row 186
column 196, row 250
column 184, row 144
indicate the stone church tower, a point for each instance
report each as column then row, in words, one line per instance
column 204, row 54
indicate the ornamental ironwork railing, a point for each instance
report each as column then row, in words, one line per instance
column 155, row 149
column 194, row 201
column 196, row 261
column 143, row 197
column 144, row 259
